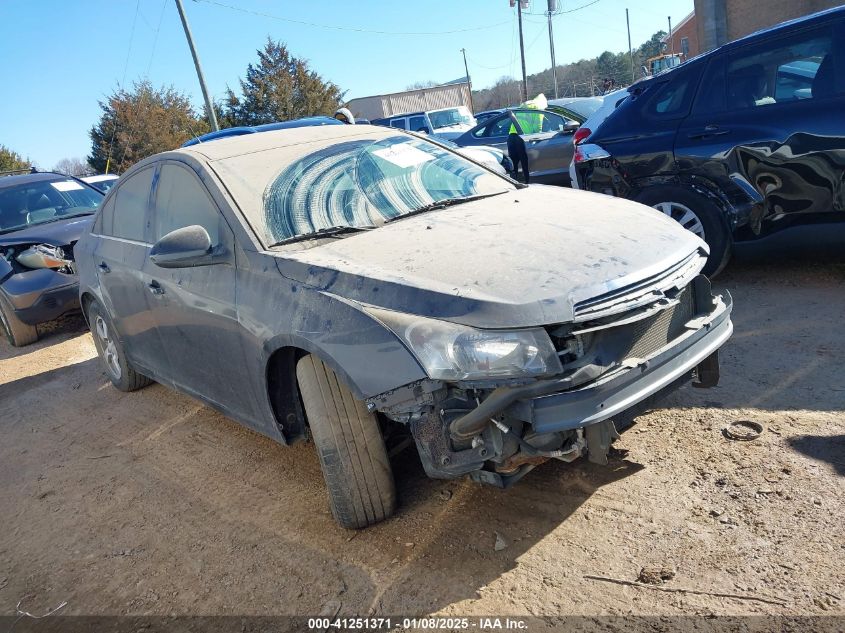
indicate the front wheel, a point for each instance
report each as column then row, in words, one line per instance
column 350, row 446
column 696, row 214
column 119, row 370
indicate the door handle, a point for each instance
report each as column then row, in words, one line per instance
column 104, row 267
column 155, row 288
column 709, row 130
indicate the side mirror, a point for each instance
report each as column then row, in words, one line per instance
column 570, row 128
column 183, row 248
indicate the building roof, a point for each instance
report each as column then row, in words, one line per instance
column 679, row 25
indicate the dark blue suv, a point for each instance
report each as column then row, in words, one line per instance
column 737, row 144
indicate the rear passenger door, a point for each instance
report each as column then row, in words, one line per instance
column 767, row 128
column 123, row 242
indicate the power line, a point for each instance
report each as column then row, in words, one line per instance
column 350, row 28
column 583, row 6
column 123, row 81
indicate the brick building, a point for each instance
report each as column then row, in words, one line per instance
column 721, row 21
column 684, row 38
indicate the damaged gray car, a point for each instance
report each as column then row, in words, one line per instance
column 368, row 289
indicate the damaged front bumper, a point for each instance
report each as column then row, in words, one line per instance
column 41, row 295
column 498, row 435
column 550, row 407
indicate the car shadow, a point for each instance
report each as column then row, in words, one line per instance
column 128, row 468
column 49, row 333
column 824, row 448
column 478, row 533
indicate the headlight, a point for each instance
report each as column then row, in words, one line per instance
column 43, row 256
column 448, row 351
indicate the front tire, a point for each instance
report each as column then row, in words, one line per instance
column 350, row 446
column 698, row 215
column 17, row 332
column 118, row 369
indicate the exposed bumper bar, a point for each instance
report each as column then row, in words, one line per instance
column 558, row 404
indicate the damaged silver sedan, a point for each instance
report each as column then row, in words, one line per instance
column 365, row 288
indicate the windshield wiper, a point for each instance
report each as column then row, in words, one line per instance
column 329, row 231
column 442, row 204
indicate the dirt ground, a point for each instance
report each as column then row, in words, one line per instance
column 150, row 503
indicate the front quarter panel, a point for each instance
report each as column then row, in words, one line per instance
column 367, row 355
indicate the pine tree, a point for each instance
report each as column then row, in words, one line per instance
column 280, row 87
column 11, row 160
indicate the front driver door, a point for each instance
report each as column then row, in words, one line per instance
column 194, row 307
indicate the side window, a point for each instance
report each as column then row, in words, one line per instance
column 500, row 127
column 182, row 200
column 788, row 69
column 400, row 123
column 417, row 124
column 106, row 216
column 672, row 99
column 128, row 216
column 553, row 122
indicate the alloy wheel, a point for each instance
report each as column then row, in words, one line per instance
column 108, row 347
column 683, row 215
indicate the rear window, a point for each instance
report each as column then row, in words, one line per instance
column 671, row 99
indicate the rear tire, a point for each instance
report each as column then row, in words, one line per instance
column 350, row 446
column 17, row 332
column 699, row 215
column 118, row 369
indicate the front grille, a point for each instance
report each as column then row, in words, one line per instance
column 650, row 334
column 608, row 342
column 639, row 293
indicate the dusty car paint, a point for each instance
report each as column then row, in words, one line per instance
column 230, row 333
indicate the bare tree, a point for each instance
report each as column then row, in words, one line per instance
column 421, row 85
column 73, row 167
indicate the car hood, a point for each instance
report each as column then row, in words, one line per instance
column 58, row 233
column 520, row 259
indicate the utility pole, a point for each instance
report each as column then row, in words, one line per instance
column 671, row 39
column 209, row 108
column 552, row 9
column 630, row 50
column 522, row 50
column 469, row 81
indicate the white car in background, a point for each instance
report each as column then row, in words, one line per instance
column 609, row 103
column 103, row 182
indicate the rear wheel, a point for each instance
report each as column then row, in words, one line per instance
column 17, row 332
column 350, row 446
column 119, row 370
column 696, row 214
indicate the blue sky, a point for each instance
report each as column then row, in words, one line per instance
column 60, row 57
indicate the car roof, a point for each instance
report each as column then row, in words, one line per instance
column 254, row 143
column 41, row 176
column 240, row 130
column 100, row 177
